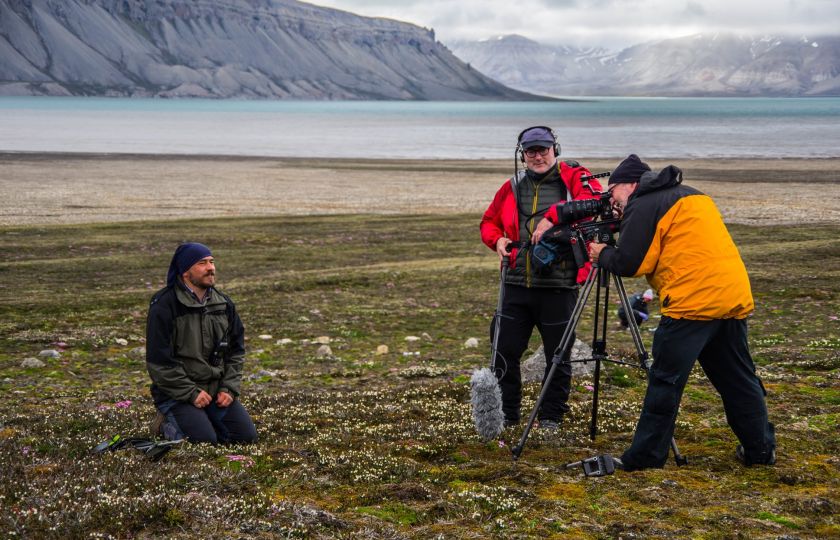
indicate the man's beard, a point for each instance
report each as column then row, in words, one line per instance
column 197, row 283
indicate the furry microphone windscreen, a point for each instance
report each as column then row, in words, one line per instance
column 486, row 399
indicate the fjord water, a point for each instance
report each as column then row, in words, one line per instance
column 594, row 127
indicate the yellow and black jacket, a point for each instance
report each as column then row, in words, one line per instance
column 674, row 235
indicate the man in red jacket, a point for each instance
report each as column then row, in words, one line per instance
column 543, row 297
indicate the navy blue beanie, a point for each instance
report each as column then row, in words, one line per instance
column 185, row 256
column 629, row 171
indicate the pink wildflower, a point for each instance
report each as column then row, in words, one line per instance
column 246, row 461
column 123, row 404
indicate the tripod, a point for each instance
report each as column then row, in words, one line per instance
column 599, row 279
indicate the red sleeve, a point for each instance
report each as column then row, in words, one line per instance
column 571, row 177
column 492, row 227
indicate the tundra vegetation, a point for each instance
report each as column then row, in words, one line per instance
column 359, row 444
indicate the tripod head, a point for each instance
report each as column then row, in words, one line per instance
column 601, row 230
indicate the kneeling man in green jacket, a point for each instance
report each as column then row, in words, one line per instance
column 195, row 347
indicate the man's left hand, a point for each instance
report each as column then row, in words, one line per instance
column 595, row 249
column 223, row 399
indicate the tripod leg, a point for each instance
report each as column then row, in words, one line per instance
column 679, row 459
column 558, row 354
column 634, row 328
column 599, row 345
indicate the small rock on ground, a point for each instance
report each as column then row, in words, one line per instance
column 32, row 363
column 534, row 367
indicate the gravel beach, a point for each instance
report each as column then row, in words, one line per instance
column 50, row 188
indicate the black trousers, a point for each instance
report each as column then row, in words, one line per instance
column 523, row 309
column 722, row 350
column 213, row 424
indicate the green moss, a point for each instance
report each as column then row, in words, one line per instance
column 393, row 512
column 781, row 520
column 621, row 377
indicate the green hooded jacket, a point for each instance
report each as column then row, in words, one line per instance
column 181, row 337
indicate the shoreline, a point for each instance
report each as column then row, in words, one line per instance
column 73, row 188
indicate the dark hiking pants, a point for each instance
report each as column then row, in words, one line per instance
column 211, row 424
column 523, row 309
column 721, row 348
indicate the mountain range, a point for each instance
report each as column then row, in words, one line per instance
column 293, row 50
column 226, row 49
column 698, row 65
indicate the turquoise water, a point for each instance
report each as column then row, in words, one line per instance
column 595, row 127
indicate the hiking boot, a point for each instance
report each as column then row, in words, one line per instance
column 742, row 457
column 549, row 426
column 156, row 425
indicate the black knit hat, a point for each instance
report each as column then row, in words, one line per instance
column 628, row 171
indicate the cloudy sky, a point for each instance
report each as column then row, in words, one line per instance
column 611, row 23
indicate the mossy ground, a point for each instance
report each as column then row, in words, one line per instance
column 361, row 445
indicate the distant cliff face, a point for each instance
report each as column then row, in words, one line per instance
column 225, row 48
column 700, row 65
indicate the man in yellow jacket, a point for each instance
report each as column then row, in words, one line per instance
column 674, row 236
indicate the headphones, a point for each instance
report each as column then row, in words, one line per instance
column 521, row 151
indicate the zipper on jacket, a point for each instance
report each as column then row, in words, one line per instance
column 530, row 229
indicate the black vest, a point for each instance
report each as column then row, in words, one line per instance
column 534, row 195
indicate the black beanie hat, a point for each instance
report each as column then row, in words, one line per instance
column 628, row 171
column 185, row 256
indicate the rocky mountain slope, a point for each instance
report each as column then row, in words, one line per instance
column 225, row 48
column 699, row 65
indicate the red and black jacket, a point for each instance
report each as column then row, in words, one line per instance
column 501, row 219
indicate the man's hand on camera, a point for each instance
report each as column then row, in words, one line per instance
column 202, row 400
column 223, row 399
column 542, row 226
column 502, row 247
column 595, row 249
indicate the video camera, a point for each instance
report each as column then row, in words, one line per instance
column 570, row 232
column 576, row 210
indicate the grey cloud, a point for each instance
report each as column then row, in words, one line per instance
column 694, row 9
column 610, row 23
